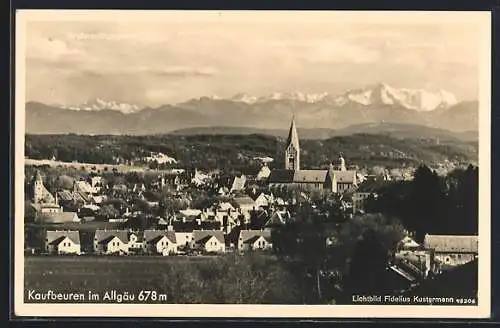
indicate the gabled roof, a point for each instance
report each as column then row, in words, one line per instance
column 281, row 176
column 108, row 239
column 246, row 235
column 348, row 176
column 452, row 243
column 310, row 176
column 151, row 235
column 254, row 239
column 201, row 234
column 53, row 235
column 120, row 234
column 65, row 195
column 57, row 241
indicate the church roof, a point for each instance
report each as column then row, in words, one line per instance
column 345, row 176
column 281, row 176
column 315, row 176
column 293, row 137
column 301, row 176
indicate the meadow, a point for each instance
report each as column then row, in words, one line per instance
column 183, row 279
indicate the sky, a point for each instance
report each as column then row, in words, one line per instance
column 170, row 59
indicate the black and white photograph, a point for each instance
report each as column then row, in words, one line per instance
column 252, row 163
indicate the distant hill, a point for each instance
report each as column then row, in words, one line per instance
column 234, row 151
column 395, row 130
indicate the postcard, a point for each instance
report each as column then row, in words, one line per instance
column 277, row 164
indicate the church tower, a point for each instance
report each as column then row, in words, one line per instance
column 292, row 152
column 342, row 166
column 38, row 188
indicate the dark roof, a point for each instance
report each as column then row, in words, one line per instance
column 103, row 234
column 152, row 235
column 57, row 241
column 108, row 239
column 52, row 235
column 254, row 239
column 281, row 176
column 198, row 235
column 246, row 235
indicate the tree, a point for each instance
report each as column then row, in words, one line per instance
column 107, row 212
column 29, row 212
column 367, row 272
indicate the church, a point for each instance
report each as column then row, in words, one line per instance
column 336, row 180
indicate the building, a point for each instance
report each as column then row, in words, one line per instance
column 62, row 242
column 254, row 240
column 111, row 242
column 334, row 180
column 160, row 242
column 451, row 251
column 210, row 241
column 43, row 201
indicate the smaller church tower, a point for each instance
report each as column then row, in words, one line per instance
column 38, row 188
column 292, row 152
column 342, row 166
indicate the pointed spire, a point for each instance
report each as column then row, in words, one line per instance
column 293, row 136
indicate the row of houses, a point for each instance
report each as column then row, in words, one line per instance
column 155, row 242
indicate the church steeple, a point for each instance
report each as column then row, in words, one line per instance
column 292, row 152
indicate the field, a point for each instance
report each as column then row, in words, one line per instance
column 99, row 274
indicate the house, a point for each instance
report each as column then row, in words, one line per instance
column 62, row 242
column 263, row 173
column 210, row 241
column 238, row 183
column 160, row 242
column 111, row 241
column 359, row 200
column 254, row 239
column 263, row 200
column 452, row 250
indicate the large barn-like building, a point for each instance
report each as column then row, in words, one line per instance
column 336, row 180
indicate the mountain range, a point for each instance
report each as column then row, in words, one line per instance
column 378, row 104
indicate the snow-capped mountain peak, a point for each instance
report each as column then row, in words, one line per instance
column 101, row 104
column 383, row 94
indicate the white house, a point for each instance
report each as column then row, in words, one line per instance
column 209, row 241
column 160, row 242
column 111, row 242
column 62, row 242
column 254, row 239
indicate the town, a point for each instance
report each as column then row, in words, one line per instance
column 284, row 211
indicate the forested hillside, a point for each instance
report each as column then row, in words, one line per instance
column 240, row 151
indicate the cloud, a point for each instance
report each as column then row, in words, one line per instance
column 51, row 49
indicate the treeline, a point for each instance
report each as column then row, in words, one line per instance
column 433, row 204
column 238, row 151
